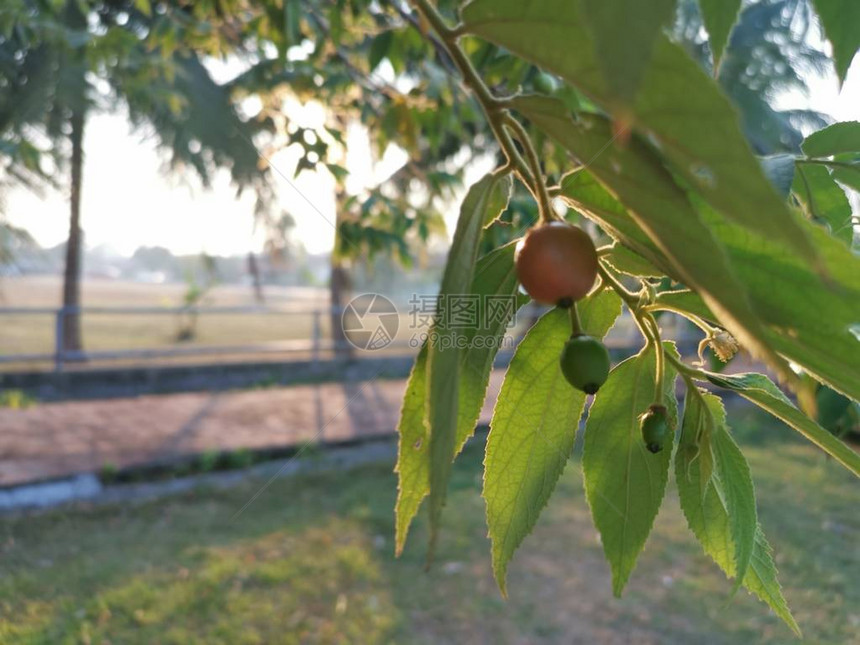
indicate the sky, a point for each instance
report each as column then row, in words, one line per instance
column 127, row 202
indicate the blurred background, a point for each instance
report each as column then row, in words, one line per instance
column 191, row 450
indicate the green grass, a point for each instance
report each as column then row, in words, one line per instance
column 34, row 333
column 311, row 562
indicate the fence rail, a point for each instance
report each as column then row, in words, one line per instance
column 315, row 346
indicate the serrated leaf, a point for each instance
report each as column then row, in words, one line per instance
column 719, row 17
column 623, row 32
column 582, row 190
column 833, row 140
column 534, row 426
column 735, row 483
column 814, row 331
column 495, row 279
column 739, row 496
column 707, row 514
column 841, row 22
column 496, row 286
column 444, row 354
column 624, row 483
column 811, row 318
column 824, row 200
column 413, row 457
column 498, row 199
column 631, row 263
column 686, row 300
column 759, row 389
column 848, row 175
column 676, row 97
column 661, row 209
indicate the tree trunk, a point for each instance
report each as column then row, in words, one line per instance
column 254, row 270
column 72, row 274
column 339, row 291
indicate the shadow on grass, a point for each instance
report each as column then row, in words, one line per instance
column 311, row 561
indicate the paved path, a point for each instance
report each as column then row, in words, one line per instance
column 56, row 439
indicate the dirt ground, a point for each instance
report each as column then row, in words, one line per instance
column 55, row 439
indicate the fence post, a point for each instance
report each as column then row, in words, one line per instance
column 59, row 339
column 316, row 338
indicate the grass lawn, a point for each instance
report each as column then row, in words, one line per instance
column 27, row 333
column 311, row 562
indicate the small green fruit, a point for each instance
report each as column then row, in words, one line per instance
column 585, row 363
column 544, row 83
column 655, row 427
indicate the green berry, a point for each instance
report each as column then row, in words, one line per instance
column 585, row 363
column 544, row 83
column 655, row 427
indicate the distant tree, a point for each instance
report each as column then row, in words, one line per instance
column 155, row 258
column 13, row 241
column 60, row 62
column 769, row 52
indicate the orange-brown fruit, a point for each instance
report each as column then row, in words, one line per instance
column 556, row 263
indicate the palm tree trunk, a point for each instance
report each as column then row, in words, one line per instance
column 72, row 274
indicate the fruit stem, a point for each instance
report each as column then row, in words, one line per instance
column 693, row 318
column 646, row 323
column 575, row 322
column 659, row 356
column 538, row 187
column 493, row 107
column 629, row 298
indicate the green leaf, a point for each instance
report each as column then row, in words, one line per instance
column 848, row 175
column 413, row 456
column 499, row 298
column 498, row 200
column 143, row 6
column 812, row 321
column 495, row 281
column 824, row 200
column 840, row 19
column 379, row 49
column 631, row 263
column 676, row 97
column 686, row 300
column 735, row 482
column 719, row 17
column 624, row 483
column 661, row 209
column 704, row 501
column 739, row 495
column 833, row 140
column 534, row 426
column 623, row 32
column 837, row 413
column 759, row 389
column 582, row 190
column 444, row 354
column 814, row 331
column 292, row 18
